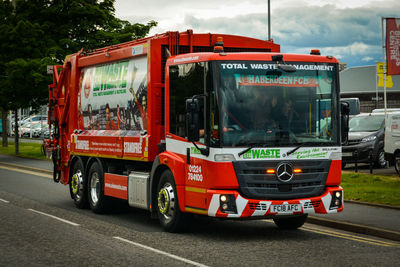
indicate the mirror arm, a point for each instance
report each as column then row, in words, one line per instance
column 203, row 151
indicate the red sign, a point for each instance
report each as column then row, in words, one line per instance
column 393, row 45
column 116, row 185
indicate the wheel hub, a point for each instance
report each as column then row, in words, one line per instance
column 95, row 188
column 76, row 182
column 166, row 200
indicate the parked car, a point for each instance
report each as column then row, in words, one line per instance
column 47, row 133
column 366, row 139
column 24, row 130
column 33, row 128
column 392, row 139
column 23, row 122
column 41, row 131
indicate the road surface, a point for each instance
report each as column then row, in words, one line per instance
column 39, row 225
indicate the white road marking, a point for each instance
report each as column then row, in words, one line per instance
column 54, row 217
column 5, row 201
column 161, row 252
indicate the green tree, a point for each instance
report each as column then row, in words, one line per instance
column 36, row 33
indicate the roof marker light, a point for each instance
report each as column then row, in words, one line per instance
column 219, row 45
column 315, row 52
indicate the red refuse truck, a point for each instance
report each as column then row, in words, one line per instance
column 211, row 124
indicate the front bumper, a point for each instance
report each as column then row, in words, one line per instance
column 360, row 153
column 245, row 208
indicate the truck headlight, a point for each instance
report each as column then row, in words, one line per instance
column 227, row 203
column 368, row 138
column 337, row 198
column 224, row 157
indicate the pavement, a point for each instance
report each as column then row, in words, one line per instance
column 364, row 218
column 364, row 168
column 26, row 140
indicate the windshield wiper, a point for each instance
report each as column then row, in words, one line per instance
column 252, row 146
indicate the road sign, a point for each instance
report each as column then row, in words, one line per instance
column 379, row 72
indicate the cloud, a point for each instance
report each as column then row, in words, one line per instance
column 367, row 59
column 349, row 30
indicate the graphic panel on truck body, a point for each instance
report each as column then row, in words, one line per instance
column 113, row 96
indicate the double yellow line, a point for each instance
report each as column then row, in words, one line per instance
column 351, row 237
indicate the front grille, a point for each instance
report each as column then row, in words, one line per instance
column 297, row 185
column 312, row 204
column 354, row 142
column 254, row 182
column 258, row 206
column 311, row 170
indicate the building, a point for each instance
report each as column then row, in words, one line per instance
column 362, row 82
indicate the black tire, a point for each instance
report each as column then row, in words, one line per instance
column 291, row 223
column 380, row 159
column 170, row 216
column 99, row 203
column 396, row 162
column 78, row 185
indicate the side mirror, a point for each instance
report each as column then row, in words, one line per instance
column 344, row 121
column 192, row 120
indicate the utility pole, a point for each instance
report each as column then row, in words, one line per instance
column 384, row 63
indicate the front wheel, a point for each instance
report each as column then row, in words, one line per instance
column 291, row 223
column 99, row 203
column 170, row 216
column 380, row 161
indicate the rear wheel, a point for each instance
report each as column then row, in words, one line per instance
column 77, row 185
column 170, row 216
column 99, row 203
column 291, row 223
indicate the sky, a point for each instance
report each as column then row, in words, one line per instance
column 349, row 30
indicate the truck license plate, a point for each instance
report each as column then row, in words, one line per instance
column 285, row 208
column 347, row 154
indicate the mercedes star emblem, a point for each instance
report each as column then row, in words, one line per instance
column 284, row 172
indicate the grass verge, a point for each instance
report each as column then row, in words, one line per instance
column 372, row 188
column 29, row 150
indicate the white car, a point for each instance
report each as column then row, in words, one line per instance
column 29, row 128
column 392, row 139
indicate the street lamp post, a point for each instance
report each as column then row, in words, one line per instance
column 269, row 20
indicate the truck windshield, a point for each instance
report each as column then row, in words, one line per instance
column 262, row 105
